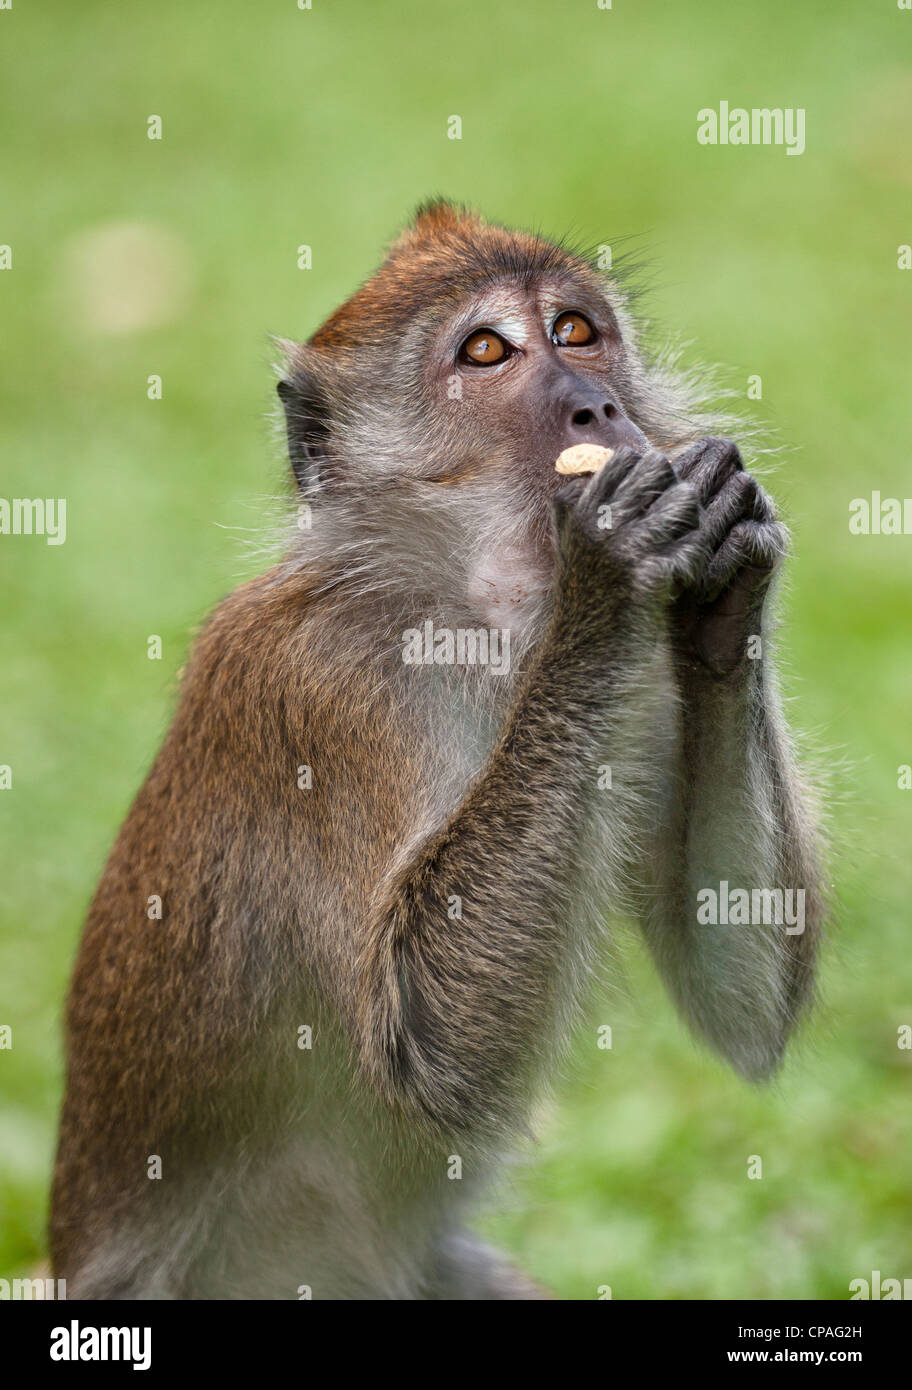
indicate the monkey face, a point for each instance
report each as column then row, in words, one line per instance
column 474, row 352
column 436, row 399
column 522, row 371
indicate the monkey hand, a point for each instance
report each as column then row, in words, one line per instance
column 713, row 617
column 627, row 538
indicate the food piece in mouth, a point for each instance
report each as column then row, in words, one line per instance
column 583, row 458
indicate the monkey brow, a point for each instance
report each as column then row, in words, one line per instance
column 505, row 304
column 428, row 291
column 501, row 303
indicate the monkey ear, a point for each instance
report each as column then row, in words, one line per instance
column 307, row 413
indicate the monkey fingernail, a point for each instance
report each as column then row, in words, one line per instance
column 583, row 458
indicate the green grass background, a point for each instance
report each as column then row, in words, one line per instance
column 326, row 127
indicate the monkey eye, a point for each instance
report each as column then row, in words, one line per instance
column 483, row 348
column 572, row 330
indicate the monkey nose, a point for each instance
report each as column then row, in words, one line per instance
column 600, row 420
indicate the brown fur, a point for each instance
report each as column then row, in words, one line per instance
column 332, row 906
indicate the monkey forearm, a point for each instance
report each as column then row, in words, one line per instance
column 737, row 908
column 474, row 950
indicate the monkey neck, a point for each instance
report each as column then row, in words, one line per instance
column 412, row 555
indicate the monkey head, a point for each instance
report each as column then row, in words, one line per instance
column 464, row 366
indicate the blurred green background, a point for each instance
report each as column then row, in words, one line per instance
column 177, row 257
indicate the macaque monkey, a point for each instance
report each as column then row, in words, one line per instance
column 384, row 880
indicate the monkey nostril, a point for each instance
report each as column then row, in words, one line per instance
column 610, row 411
column 583, row 417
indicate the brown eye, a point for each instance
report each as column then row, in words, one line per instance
column 484, row 348
column 572, row 330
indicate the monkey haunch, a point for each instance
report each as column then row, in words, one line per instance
column 427, row 900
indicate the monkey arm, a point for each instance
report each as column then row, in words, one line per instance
column 472, row 954
column 737, row 898
column 480, row 939
column 738, row 816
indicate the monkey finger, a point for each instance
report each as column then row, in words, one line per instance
column 735, row 501
column 603, row 484
column 648, row 480
column 759, row 547
column 764, row 509
column 571, row 492
column 708, row 464
column 671, row 515
column 676, row 565
column 582, row 501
